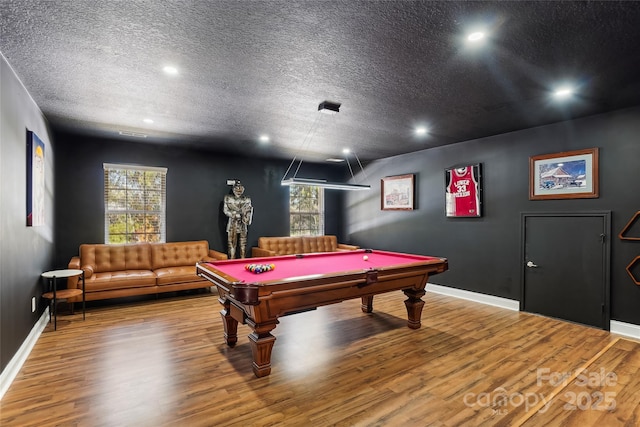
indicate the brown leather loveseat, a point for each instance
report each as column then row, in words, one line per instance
column 273, row 246
column 113, row 271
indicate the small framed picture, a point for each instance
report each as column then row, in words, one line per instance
column 463, row 191
column 566, row 175
column 397, row 192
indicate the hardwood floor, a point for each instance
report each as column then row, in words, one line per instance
column 164, row 363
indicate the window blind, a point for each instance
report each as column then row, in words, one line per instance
column 134, row 203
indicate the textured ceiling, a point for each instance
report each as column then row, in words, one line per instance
column 248, row 68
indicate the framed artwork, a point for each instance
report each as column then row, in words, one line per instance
column 35, row 180
column 463, row 191
column 566, row 175
column 397, row 192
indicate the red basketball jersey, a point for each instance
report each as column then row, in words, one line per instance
column 463, row 198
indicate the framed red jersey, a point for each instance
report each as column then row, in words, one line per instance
column 463, row 190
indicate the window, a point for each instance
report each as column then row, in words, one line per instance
column 306, row 210
column 134, row 204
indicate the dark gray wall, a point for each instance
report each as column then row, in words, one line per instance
column 196, row 186
column 25, row 252
column 484, row 252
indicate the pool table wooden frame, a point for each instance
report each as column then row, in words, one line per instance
column 259, row 304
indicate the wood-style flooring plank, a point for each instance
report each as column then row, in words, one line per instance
column 164, row 363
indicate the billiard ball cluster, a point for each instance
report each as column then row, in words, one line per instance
column 259, row 268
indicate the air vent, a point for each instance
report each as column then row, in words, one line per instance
column 134, row 134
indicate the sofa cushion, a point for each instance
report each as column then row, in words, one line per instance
column 104, row 258
column 320, row 244
column 178, row 254
column 120, row 279
column 282, row 245
column 178, row 274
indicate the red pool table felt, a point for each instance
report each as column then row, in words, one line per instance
column 293, row 267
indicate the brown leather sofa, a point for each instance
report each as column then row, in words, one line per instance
column 113, row 271
column 273, row 246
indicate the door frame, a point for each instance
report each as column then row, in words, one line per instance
column 606, row 261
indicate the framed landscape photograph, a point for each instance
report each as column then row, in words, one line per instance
column 566, row 175
column 397, row 192
column 463, row 191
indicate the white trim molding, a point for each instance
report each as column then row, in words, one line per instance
column 627, row 329
column 509, row 304
column 15, row 364
column 107, row 166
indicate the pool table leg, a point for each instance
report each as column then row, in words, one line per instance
column 230, row 326
column 367, row 304
column 414, row 307
column 262, row 342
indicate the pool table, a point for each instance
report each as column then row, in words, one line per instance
column 304, row 282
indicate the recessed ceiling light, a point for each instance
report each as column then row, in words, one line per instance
column 170, row 70
column 264, row 138
column 150, row 121
column 345, row 151
column 563, row 92
column 476, row 36
column 421, row 131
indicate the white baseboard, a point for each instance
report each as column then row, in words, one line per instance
column 616, row 327
column 15, row 364
column 627, row 329
column 509, row 304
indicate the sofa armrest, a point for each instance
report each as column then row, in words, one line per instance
column 74, row 264
column 217, row 255
column 344, row 247
column 259, row 252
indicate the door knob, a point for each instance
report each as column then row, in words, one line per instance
column 530, row 264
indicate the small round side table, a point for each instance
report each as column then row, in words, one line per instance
column 55, row 295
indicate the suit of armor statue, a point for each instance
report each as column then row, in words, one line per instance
column 240, row 212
